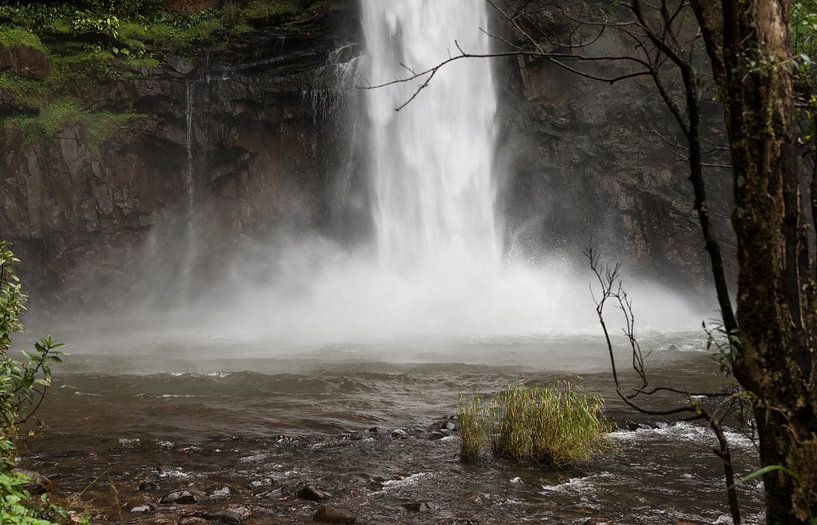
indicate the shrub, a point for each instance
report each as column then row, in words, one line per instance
column 23, row 385
column 555, row 425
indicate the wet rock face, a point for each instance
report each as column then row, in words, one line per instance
column 584, row 159
column 24, row 61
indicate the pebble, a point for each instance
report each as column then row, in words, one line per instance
column 183, row 496
column 148, row 485
column 148, row 507
column 223, row 492
column 399, row 433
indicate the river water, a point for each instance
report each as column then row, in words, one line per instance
column 248, row 430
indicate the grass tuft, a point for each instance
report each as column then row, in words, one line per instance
column 554, row 425
column 56, row 116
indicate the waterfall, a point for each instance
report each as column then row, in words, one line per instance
column 431, row 162
column 437, row 267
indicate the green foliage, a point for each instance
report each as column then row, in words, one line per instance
column 17, row 506
column 803, row 37
column 23, row 385
column 28, row 93
column 12, row 298
column 18, row 37
column 259, row 9
column 556, row 425
column 56, row 116
column 725, row 347
column 803, row 29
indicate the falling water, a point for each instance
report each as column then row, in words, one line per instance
column 432, row 161
column 437, row 267
column 188, row 144
column 190, row 233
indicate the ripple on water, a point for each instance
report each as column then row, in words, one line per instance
column 681, row 431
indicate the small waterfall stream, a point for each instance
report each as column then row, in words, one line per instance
column 191, row 248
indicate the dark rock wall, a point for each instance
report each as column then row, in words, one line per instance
column 588, row 160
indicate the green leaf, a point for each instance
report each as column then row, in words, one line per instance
column 765, row 470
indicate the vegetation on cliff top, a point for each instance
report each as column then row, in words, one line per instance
column 93, row 44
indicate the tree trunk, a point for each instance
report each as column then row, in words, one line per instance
column 747, row 41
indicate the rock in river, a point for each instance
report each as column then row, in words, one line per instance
column 183, row 496
column 147, row 507
column 420, row 506
column 312, row 493
column 148, row 485
column 327, row 514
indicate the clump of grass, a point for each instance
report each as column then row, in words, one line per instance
column 263, row 9
column 471, row 421
column 555, row 425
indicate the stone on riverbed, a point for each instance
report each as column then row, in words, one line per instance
column 328, row 514
column 399, row 433
column 223, row 492
column 420, row 506
column 312, row 493
column 234, row 514
column 185, row 496
column 147, row 507
column 193, row 520
column 439, row 434
column 148, row 485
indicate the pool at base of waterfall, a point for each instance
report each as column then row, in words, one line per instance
column 213, row 433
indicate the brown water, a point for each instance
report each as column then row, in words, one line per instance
column 246, row 424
